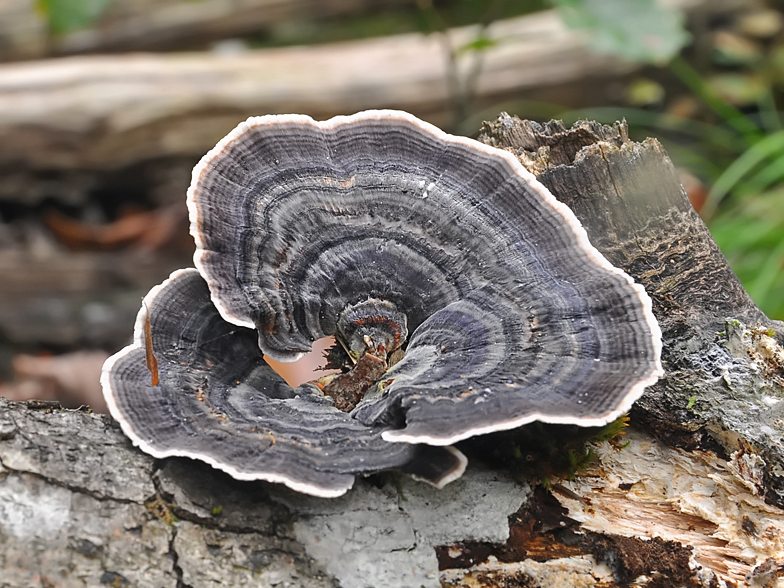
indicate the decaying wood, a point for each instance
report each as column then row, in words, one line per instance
column 349, row 388
column 723, row 358
column 97, row 111
column 80, row 506
column 144, row 25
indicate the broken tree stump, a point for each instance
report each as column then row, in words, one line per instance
column 722, row 356
column 79, row 506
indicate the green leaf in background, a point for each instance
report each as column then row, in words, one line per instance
column 750, row 235
column 771, row 146
column 64, row 16
column 740, row 89
column 636, row 30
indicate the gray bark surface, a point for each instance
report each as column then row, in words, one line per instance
column 80, row 506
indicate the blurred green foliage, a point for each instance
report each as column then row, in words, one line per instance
column 426, row 16
column 636, row 30
column 64, row 16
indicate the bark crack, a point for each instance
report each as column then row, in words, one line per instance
column 167, row 500
column 179, row 574
column 70, row 487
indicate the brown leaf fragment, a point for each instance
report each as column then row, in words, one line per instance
column 149, row 230
column 152, row 361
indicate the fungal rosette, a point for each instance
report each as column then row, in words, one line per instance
column 398, row 239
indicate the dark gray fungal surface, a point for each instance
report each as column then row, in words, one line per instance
column 220, row 402
column 384, row 231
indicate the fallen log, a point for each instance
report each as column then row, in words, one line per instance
column 110, row 111
column 80, row 506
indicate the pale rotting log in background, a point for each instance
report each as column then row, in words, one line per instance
column 111, row 111
column 379, row 538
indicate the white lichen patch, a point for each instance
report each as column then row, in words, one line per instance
column 28, row 511
column 695, row 498
column 574, row 572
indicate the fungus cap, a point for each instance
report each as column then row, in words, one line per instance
column 380, row 228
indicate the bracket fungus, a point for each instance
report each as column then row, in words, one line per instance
column 405, row 243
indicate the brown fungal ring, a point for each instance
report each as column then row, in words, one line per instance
column 385, row 231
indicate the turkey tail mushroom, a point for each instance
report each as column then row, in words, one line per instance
column 391, row 235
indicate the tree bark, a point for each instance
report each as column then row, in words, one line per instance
column 79, row 506
column 722, row 355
